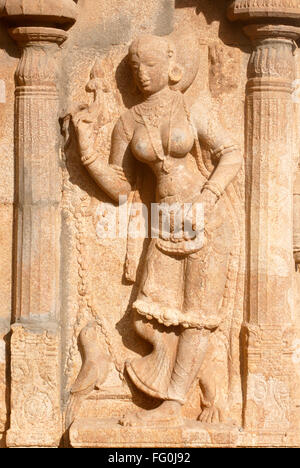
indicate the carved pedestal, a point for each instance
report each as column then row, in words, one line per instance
column 93, row 433
column 35, row 391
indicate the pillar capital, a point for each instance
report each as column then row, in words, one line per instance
column 261, row 32
column 30, row 35
column 261, row 11
column 38, row 63
column 58, row 13
column 272, row 63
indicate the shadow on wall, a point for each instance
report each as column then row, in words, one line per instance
column 216, row 10
column 6, row 43
column 212, row 10
column 129, row 91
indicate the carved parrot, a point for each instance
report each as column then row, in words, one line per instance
column 95, row 363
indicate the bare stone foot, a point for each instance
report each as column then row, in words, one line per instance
column 169, row 412
column 210, row 415
column 214, row 415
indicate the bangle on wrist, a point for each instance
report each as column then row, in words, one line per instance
column 214, row 188
column 87, row 159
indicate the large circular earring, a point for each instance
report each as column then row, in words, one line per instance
column 175, row 73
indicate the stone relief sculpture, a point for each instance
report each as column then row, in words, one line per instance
column 184, row 293
column 188, row 335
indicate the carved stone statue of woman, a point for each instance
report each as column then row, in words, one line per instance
column 182, row 294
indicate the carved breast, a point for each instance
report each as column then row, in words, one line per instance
column 144, row 147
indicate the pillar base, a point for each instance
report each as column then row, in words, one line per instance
column 36, row 419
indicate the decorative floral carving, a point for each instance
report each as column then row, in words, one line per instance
column 273, row 399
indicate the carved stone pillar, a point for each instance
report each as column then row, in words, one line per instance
column 270, row 384
column 36, row 130
column 39, row 30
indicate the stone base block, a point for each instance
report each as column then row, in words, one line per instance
column 106, row 433
column 36, row 419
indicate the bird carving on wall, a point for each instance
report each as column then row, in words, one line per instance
column 93, row 373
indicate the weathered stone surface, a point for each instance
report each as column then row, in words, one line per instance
column 127, row 333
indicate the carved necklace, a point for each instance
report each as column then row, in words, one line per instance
column 150, row 115
column 154, row 108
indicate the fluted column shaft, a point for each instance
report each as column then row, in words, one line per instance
column 36, row 141
column 270, row 392
column 270, row 173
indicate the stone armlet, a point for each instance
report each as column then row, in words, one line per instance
column 222, row 150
